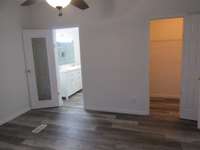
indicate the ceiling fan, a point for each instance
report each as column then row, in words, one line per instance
column 60, row 4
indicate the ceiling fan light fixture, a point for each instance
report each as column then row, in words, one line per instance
column 58, row 3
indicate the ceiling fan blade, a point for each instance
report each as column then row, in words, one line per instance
column 28, row 3
column 81, row 4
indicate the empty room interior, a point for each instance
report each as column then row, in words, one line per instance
column 99, row 75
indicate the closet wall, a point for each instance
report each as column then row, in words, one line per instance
column 166, row 43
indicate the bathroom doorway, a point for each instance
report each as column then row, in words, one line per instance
column 68, row 54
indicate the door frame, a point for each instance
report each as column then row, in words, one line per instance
column 57, row 68
column 182, row 62
column 185, row 113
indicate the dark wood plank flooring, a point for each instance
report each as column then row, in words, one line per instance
column 73, row 128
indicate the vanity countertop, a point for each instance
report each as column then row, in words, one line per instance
column 69, row 68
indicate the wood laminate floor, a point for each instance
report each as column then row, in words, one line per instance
column 75, row 100
column 167, row 108
column 73, row 128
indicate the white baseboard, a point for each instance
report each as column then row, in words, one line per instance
column 14, row 115
column 165, row 95
column 188, row 114
column 120, row 111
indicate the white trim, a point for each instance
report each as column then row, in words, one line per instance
column 188, row 114
column 44, row 104
column 190, row 68
column 14, row 115
column 183, row 71
column 198, row 116
column 119, row 111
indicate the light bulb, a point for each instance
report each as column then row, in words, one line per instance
column 58, row 3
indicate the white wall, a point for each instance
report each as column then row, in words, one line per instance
column 114, row 45
column 13, row 89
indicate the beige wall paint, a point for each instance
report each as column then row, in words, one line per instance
column 165, row 57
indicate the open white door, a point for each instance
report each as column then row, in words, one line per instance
column 41, row 68
column 190, row 104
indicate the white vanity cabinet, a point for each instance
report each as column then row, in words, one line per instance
column 70, row 81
